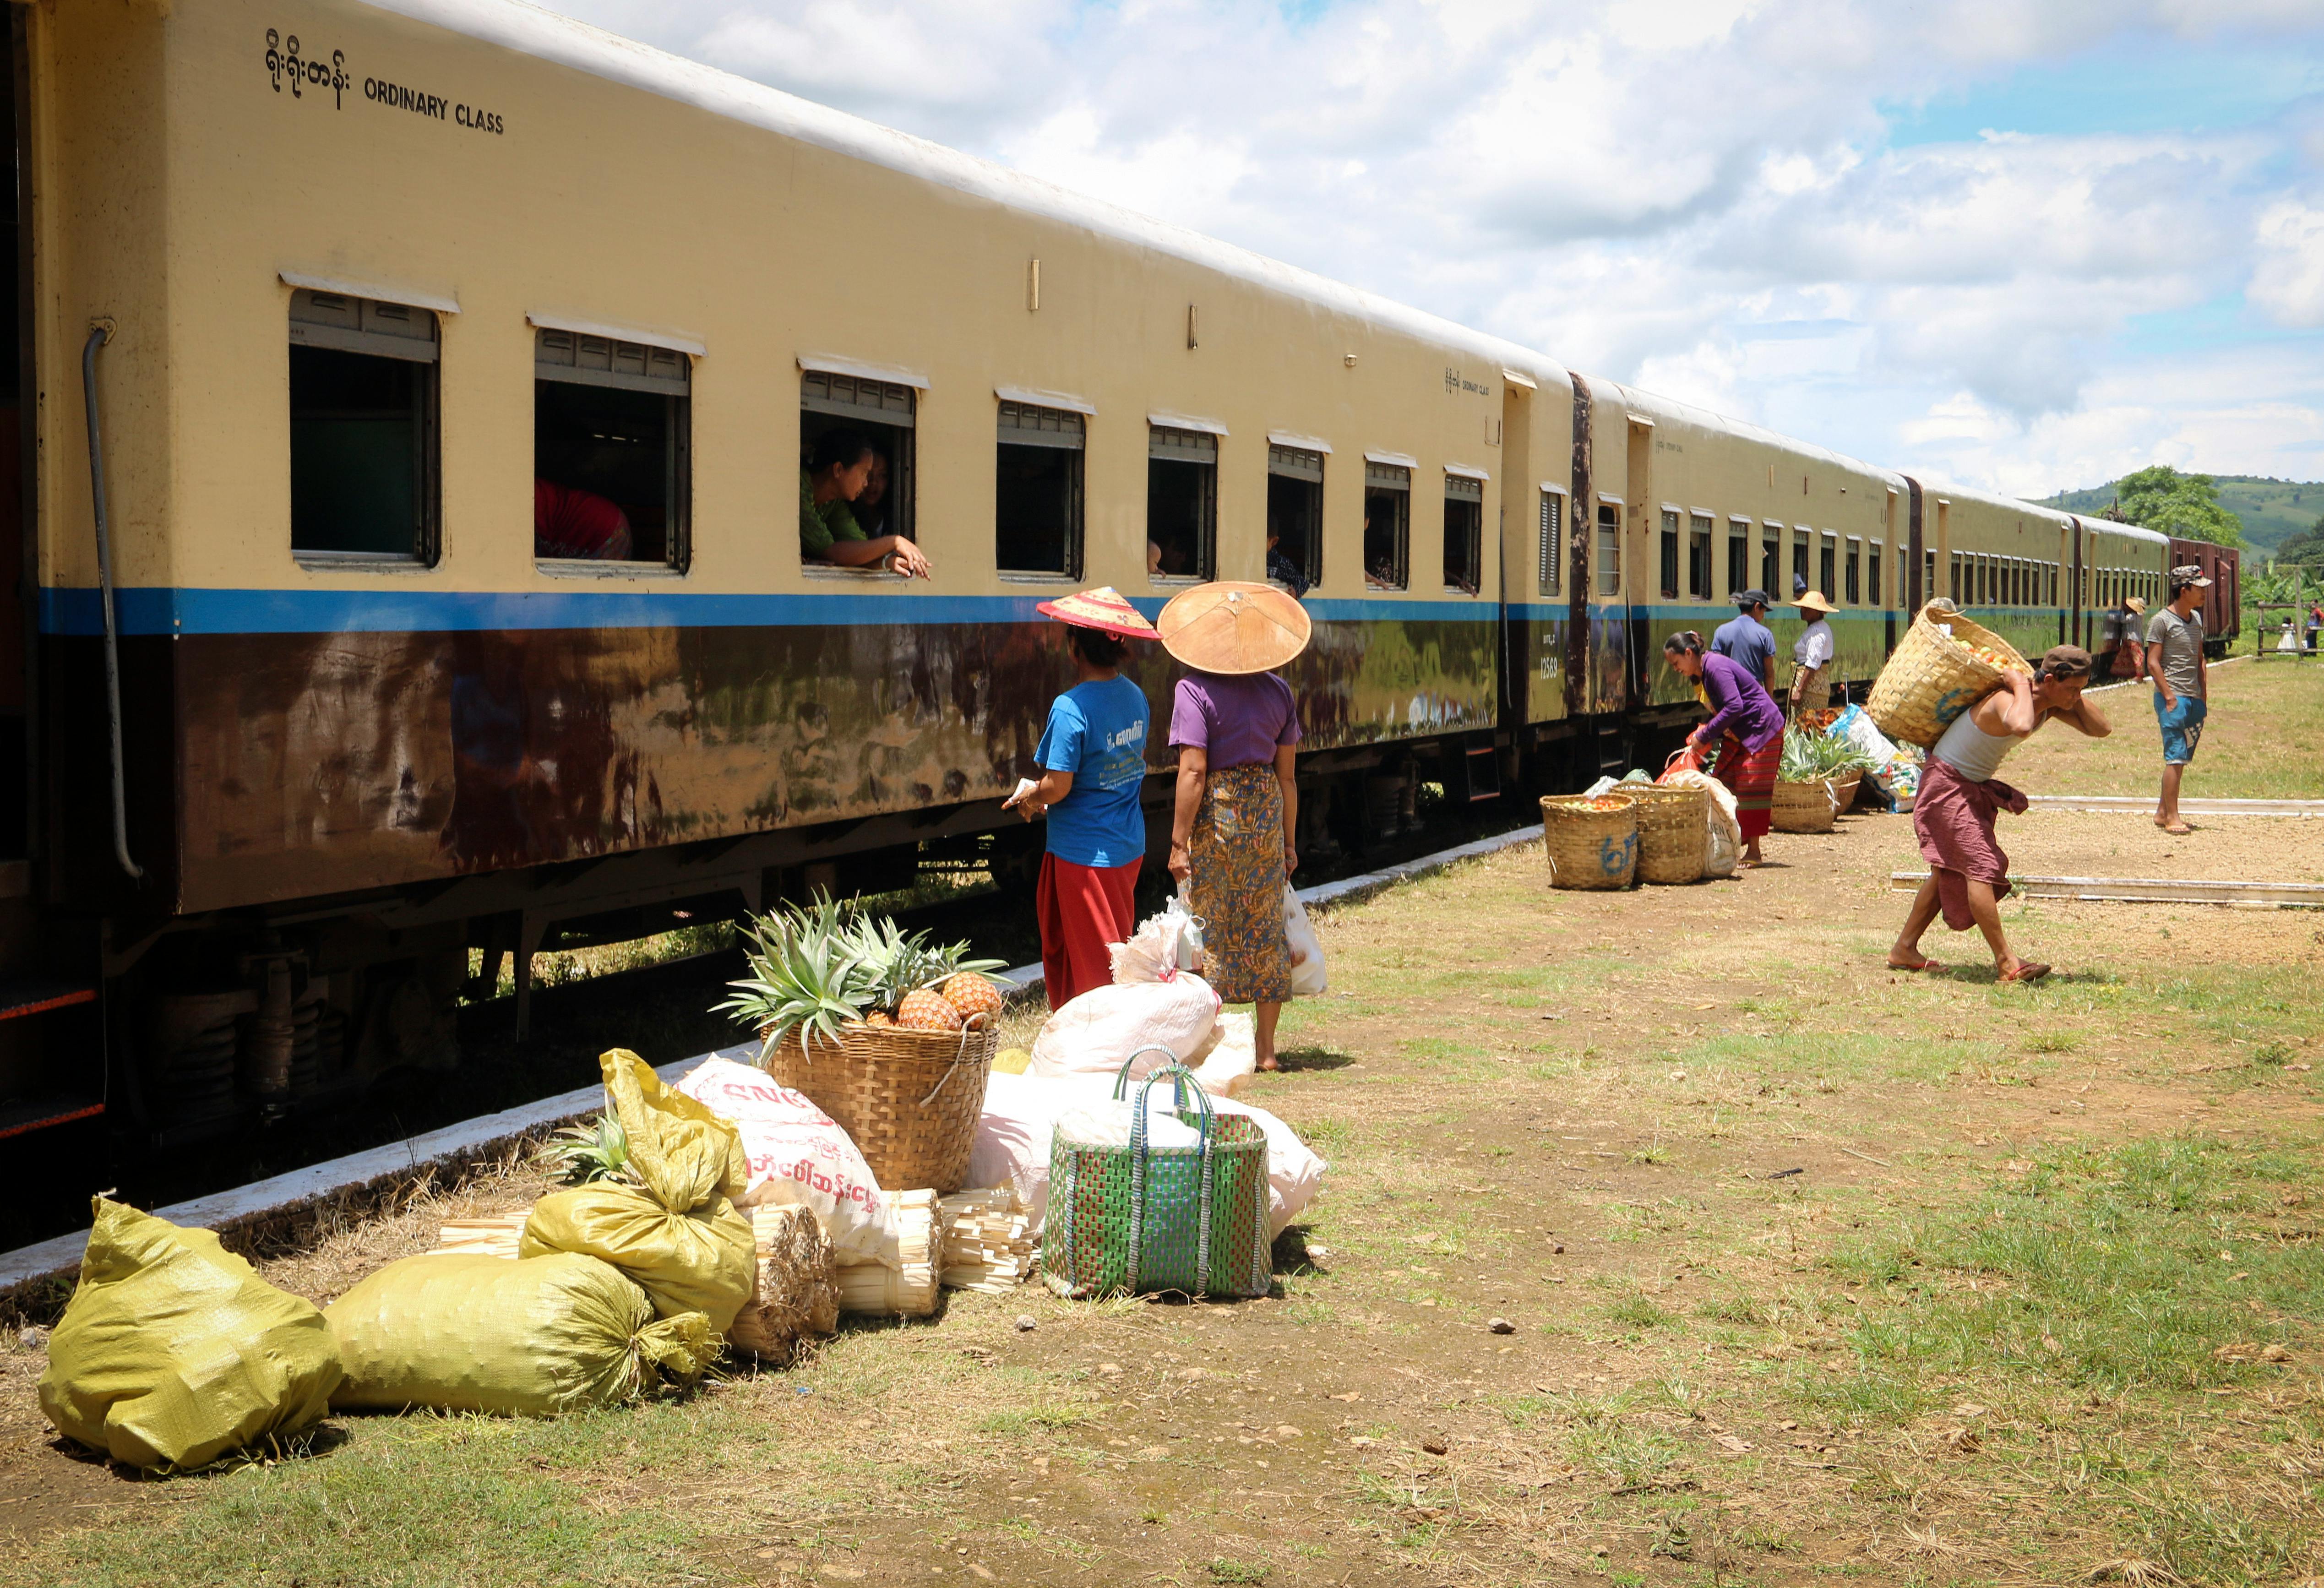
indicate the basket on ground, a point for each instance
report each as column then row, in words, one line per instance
column 1935, row 676
column 1143, row 1220
column 908, row 1099
column 1591, row 841
column 1674, row 832
column 1806, row 808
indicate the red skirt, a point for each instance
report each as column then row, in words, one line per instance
column 1750, row 775
column 1081, row 908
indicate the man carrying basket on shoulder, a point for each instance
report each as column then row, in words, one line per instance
column 1953, row 816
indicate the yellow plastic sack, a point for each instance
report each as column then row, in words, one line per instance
column 521, row 1339
column 678, row 1235
column 172, row 1352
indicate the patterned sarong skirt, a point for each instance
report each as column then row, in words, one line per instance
column 1238, row 885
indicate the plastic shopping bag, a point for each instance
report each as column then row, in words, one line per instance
column 1307, row 978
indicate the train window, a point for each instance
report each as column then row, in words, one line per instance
column 1954, row 590
column 1828, row 566
column 1295, row 508
column 1739, row 555
column 1037, row 507
column 1182, row 502
column 1670, row 552
column 1855, row 580
column 1771, row 563
column 1387, row 525
column 1552, row 540
column 609, row 449
column 363, row 429
column 1465, row 534
column 1928, row 576
column 2051, row 583
column 1610, row 548
column 1799, row 561
column 1873, row 591
column 886, row 414
column 1698, row 556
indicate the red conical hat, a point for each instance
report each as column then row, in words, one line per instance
column 1104, row 608
column 1229, row 626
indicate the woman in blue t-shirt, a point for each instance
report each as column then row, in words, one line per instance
column 1093, row 760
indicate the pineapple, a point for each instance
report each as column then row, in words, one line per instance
column 582, row 1155
column 924, row 1010
column 974, row 996
column 808, row 974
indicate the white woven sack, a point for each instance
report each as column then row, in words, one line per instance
column 1099, row 1031
column 800, row 1156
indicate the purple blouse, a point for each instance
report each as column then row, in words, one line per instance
column 1740, row 705
column 1234, row 720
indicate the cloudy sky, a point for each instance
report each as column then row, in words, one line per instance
column 2019, row 243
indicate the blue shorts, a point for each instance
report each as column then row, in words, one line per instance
column 2182, row 727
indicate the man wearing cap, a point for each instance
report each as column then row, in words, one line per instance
column 1092, row 760
column 2175, row 661
column 1747, row 640
column 1812, row 655
column 1959, row 797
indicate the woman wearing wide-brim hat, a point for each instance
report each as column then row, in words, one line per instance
column 1812, row 655
column 1093, row 762
column 1232, row 835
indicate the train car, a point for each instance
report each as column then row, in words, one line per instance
column 430, row 498
column 2117, row 561
column 2222, row 609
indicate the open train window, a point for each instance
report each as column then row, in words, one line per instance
column 610, row 450
column 1872, row 586
column 1801, row 535
column 1928, row 576
column 1954, row 590
column 1037, row 510
column 1294, row 509
column 1739, row 555
column 1465, row 534
column 1855, row 576
column 1828, row 566
column 885, row 414
column 1670, row 553
column 363, row 429
column 1182, row 502
column 1698, row 556
column 1610, row 548
column 1552, row 540
column 1771, row 563
column 1387, row 525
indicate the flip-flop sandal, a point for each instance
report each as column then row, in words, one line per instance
column 1926, row 965
column 2028, row 970
column 2181, row 830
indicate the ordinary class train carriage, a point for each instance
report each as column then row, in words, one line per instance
column 324, row 309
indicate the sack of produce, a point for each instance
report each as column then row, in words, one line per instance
column 797, row 1156
column 669, row 1222
column 173, row 1351
column 1099, row 1031
column 1169, row 940
column 1944, row 665
column 1307, row 977
column 531, row 1338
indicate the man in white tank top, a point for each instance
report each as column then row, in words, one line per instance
column 1953, row 814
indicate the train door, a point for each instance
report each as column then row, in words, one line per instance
column 17, row 416
column 1640, row 523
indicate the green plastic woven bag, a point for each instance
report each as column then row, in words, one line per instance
column 172, row 1352
column 1148, row 1221
column 531, row 1338
column 678, row 1233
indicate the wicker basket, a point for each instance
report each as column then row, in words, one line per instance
column 908, row 1099
column 1673, row 833
column 1845, row 789
column 1589, row 848
column 1932, row 678
column 1806, row 808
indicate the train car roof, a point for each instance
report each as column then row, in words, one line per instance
column 1743, row 430
column 2055, row 515
column 515, row 24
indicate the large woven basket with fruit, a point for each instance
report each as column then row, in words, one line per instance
column 1935, row 675
column 1591, row 841
column 889, row 1035
column 1674, row 832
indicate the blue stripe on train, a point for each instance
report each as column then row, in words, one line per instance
column 165, row 610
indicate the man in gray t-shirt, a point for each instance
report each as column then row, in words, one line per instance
column 2175, row 661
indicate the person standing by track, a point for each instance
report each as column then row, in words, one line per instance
column 1235, row 725
column 2182, row 687
column 1093, row 760
column 1746, row 726
column 1745, row 638
column 1812, row 655
column 1959, row 797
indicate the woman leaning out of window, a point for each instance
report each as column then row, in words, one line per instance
column 836, row 473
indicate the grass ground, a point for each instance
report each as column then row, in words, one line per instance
column 1815, row 1273
column 2259, row 741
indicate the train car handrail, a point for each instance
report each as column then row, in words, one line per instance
column 99, row 333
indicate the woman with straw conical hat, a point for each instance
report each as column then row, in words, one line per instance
column 1234, row 724
column 1811, row 654
column 1092, row 760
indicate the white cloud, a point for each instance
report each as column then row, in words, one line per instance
column 1698, row 195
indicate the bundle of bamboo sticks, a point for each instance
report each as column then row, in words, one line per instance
column 987, row 1242
column 909, row 1287
column 491, row 1237
column 798, row 1290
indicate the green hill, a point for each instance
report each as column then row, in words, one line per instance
column 2272, row 511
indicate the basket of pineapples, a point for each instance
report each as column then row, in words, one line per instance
column 889, row 1034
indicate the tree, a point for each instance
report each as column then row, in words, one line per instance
column 2164, row 500
column 2305, row 550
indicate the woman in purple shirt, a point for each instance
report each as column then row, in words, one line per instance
column 1745, row 725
